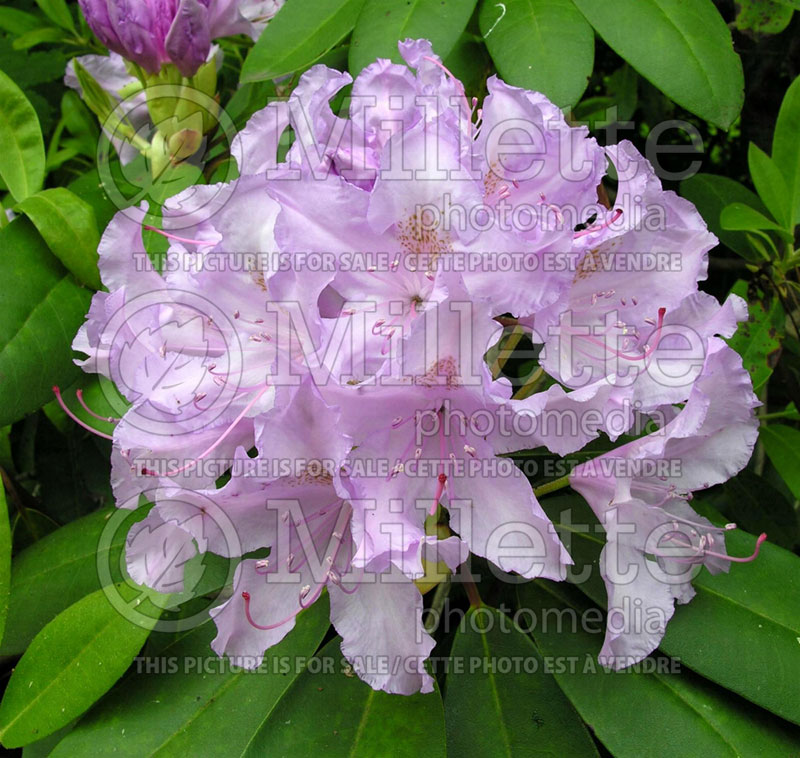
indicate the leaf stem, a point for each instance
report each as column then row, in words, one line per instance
column 556, row 484
column 779, row 414
column 470, row 587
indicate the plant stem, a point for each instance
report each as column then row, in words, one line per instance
column 556, row 484
column 470, row 587
column 778, row 414
column 439, row 599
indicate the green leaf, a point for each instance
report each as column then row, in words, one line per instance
column 89, row 187
column 758, row 340
column 300, row 33
column 763, row 16
column 542, row 45
column 711, row 193
column 68, row 226
column 520, row 712
column 619, row 104
column 655, row 708
column 42, row 748
column 40, row 316
column 757, row 506
column 5, row 559
column 207, row 703
column 329, row 711
column 30, row 528
column 21, row 143
column 39, row 37
column 95, row 97
column 741, row 628
column 58, row 12
column 739, row 217
column 786, row 145
column 470, row 63
column 383, row 23
column 29, row 69
column 53, row 573
column 70, row 664
column 683, row 47
column 248, row 99
column 782, row 444
column 770, row 184
column 18, row 22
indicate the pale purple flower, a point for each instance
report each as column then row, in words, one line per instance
column 655, row 538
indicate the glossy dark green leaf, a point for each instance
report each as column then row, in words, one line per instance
column 30, row 527
column 5, row 559
column 711, row 193
column 500, row 701
column 53, row 573
column 542, row 45
column 39, row 37
column 741, row 628
column 683, row 47
column 89, row 188
column 21, row 143
column 301, row 32
column 757, row 506
column 618, row 104
column 656, row 708
column 782, row 444
column 42, row 748
column 758, row 340
column 69, row 228
column 770, row 185
column 248, row 99
column 383, row 23
column 763, row 16
column 17, row 21
column 329, row 711
column 786, row 145
column 203, row 704
column 740, row 217
column 470, row 62
column 58, row 12
column 40, row 316
column 69, row 665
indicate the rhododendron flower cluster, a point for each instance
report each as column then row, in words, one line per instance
column 320, row 356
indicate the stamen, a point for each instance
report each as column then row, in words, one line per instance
column 108, row 419
column 648, row 349
column 459, row 86
column 747, row 559
column 265, row 627
column 57, row 393
column 337, row 580
column 175, row 237
column 598, row 227
column 701, row 552
column 222, row 437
